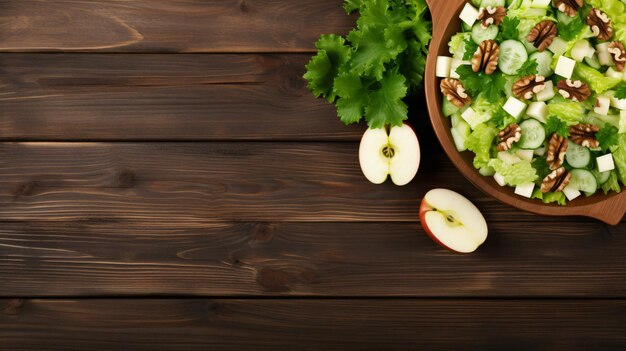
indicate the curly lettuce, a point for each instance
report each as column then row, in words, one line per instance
column 519, row 173
column 597, row 81
column 479, row 142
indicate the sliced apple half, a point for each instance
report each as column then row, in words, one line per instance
column 394, row 152
column 452, row 221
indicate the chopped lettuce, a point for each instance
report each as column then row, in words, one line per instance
column 457, row 44
column 519, row 173
column 619, row 156
column 550, row 197
column 597, row 81
column 612, row 184
column 567, row 111
column 479, row 142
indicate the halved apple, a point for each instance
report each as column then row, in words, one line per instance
column 395, row 153
column 452, row 221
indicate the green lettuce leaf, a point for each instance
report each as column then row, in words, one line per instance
column 353, row 97
column 567, row 111
column 619, row 155
column 479, row 142
column 456, row 46
column 597, row 81
column 519, row 173
column 612, row 184
column 550, row 197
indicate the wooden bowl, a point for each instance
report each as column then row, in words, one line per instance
column 607, row 208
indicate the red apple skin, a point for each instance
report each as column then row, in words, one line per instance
column 424, row 208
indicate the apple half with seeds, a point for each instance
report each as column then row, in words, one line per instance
column 393, row 152
column 452, row 221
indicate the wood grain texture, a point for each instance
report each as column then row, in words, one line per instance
column 169, row 26
column 162, row 97
column 113, row 258
column 219, row 181
column 312, row 325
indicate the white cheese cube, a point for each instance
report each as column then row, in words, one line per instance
column 525, row 154
column 571, row 193
column 540, row 4
column 602, row 105
column 456, row 63
column 499, row 179
column 612, row 73
column 605, row 163
column 525, row 190
column 540, row 151
column 538, row 110
column 547, row 93
column 618, row 103
column 443, row 66
column 469, row 14
column 582, row 49
column 508, row 158
column 514, row 107
column 565, row 67
column 604, row 56
column 622, row 122
column 558, row 46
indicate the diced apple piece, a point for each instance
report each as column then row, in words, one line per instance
column 540, row 4
column 571, row 193
column 602, row 105
column 452, row 221
column 525, row 190
column 565, row 67
column 472, row 118
column 547, row 93
column 582, row 49
column 499, row 179
column 444, row 63
column 525, row 154
column 538, row 110
column 456, row 63
column 612, row 73
column 605, row 163
column 514, row 107
column 558, row 46
column 618, row 103
column 604, row 56
column 469, row 14
column 508, row 158
column 540, row 151
column 487, row 171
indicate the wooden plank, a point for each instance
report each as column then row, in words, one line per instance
column 250, row 181
column 162, row 97
column 169, row 26
column 115, row 258
column 312, row 325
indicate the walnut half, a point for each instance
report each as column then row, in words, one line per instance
column 569, row 7
column 528, row 86
column 584, row 135
column 542, row 34
column 574, row 90
column 556, row 181
column 509, row 135
column 491, row 15
column 600, row 24
column 486, row 57
column 557, row 147
column 454, row 91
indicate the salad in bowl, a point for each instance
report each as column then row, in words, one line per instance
column 536, row 90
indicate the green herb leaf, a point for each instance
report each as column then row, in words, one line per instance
column 620, row 91
column 470, row 49
column 492, row 85
column 529, row 68
column 353, row 97
column 556, row 125
column 607, row 136
column 324, row 67
column 385, row 104
column 508, row 29
column 569, row 31
column 541, row 166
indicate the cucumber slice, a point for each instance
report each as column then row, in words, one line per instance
column 465, row 27
column 492, row 3
column 593, row 62
column 544, row 63
column 601, row 177
column 480, row 33
column 533, row 134
column 584, row 181
column 577, row 156
column 448, row 108
column 512, row 56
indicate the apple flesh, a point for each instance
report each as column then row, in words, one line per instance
column 394, row 153
column 452, row 221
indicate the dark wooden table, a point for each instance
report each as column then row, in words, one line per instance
column 167, row 182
